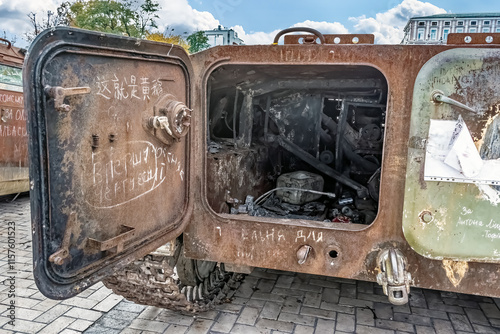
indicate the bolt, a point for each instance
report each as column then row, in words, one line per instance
column 426, row 217
column 303, row 253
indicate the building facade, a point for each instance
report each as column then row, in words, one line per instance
column 223, row 36
column 434, row 29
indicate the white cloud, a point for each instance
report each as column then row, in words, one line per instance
column 14, row 19
column 324, row 27
column 388, row 26
column 178, row 14
column 261, row 37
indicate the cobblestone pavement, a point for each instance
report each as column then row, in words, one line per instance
column 267, row 302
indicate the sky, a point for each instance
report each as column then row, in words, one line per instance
column 258, row 21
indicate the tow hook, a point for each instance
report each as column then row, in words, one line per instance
column 393, row 277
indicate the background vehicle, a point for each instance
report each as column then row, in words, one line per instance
column 13, row 133
column 326, row 155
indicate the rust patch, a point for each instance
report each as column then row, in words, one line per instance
column 455, row 271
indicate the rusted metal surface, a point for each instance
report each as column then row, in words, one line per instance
column 331, row 39
column 455, row 126
column 96, row 157
column 337, row 249
column 13, row 133
column 233, row 150
column 475, row 38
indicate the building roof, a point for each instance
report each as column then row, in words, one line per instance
column 457, row 16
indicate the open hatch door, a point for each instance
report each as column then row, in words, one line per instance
column 452, row 196
column 109, row 153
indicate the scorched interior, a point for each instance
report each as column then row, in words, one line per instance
column 300, row 142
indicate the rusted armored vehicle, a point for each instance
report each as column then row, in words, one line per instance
column 13, row 133
column 165, row 174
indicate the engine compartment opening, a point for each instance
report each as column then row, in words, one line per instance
column 300, row 142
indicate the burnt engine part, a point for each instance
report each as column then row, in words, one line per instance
column 303, row 181
column 324, row 120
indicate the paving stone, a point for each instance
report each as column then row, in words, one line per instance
column 176, row 329
column 460, row 302
column 330, row 295
column 80, row 325
column 413, row 319
column 53, row 313
column 301, row 329
column 275, row 325
column 149, row 325
column 284, row 281
column 81, row 313
column 224, row 323
column 174, row 318
column 429, row 313
column 348, row 290
column 150, row 313
column 365, row 316
column 355, row 302
column 229, row 308
column 306, row 287
column 345, row 322
column 424, row 330
column 114, row 323
column 271, row 311
column 245, row 329
column 292, row 304
column 266, row 285
column 443, row 326
column 325, row 326
column 476, row 316
column 490, row 310
column 484, row 329
column 130, row 307
column 460, row 322
column 394, row 325
column 337, row 308
column 97, row 329
column 297, row 319
column 361, row 329
column 25, row 326
column 108, row 303
column 318, row 313
column 248, row 316
column 200, row 326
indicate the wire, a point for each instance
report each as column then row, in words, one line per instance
column 265, row 195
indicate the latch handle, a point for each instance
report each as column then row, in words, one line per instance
column 59, row 93
column 439, row 97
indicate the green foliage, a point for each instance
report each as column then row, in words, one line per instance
column 170, row 38
column 114, row 16
column 197, row 41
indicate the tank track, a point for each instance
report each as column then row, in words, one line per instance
column 153, row 281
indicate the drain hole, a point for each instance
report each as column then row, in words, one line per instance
column 333, row 254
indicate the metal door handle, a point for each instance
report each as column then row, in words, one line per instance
column 439, row 97
column 59, row 93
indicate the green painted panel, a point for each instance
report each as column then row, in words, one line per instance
column 448, row 217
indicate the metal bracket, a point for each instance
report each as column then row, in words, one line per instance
column 59, row 93
column 62, row 253
column 394, row 278
column 126, row 232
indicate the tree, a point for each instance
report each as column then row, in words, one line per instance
column 49, row 20
column 115, row 16
column 198, row 41
column 146, row 16
column 170, row 38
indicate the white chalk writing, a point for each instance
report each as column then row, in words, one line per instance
column 12, row 98
column 114, row 179
column 311, row 236
column 128, row 87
